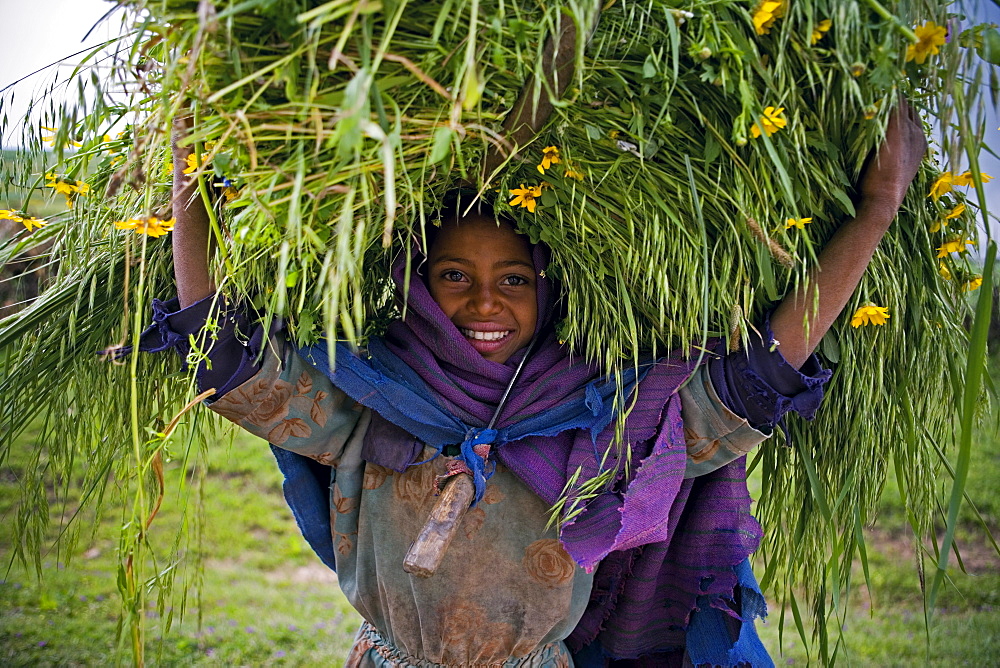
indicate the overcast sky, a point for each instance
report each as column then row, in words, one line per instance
column 41, row 32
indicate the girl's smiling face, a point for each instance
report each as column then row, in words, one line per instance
column 481, row 275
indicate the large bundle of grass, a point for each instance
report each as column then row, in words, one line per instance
column 684, row 162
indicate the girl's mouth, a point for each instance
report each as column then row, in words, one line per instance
column 487, row 344
column 485, row 336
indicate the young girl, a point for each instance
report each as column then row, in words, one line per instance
column 653, row 571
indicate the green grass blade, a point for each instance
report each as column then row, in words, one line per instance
column 975, row 367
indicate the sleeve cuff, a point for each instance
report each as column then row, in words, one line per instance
column 232, row 348
column 760, row 385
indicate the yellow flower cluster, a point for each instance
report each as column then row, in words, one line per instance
column 869, row 314
column 771, row 121
column 951, row 215
column 526, row 197
column 973, row 284
column 150, row 225
column 196, row 162
column 550, row 156
column 947, row 181
column 930, row 36
column 954, row 246
column 766, row 13
column 21, row 217
column 797, row 222
column 51, row 139
column 821, row 29
column 69, row 189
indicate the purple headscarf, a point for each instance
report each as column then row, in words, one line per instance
column 469, row 385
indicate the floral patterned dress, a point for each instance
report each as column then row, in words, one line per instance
column 507, row 593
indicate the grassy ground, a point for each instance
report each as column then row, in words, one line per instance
column 266, row 600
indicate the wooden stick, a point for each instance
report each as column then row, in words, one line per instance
column 527, row 116
column 427, row 551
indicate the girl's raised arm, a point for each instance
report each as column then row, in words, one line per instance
column 844, row 259
column 191, row 234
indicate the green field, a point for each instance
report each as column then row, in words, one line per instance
column 265, row 599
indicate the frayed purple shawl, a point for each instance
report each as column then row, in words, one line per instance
column 661, row 544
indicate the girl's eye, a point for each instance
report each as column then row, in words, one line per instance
column 515, row 280
column 453, row 275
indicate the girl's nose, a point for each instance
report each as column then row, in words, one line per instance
column 485, row 300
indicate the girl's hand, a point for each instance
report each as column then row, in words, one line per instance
column 888, row 175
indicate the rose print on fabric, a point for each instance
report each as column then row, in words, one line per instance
column 375, row 475
column 242, row 401
column 415, row 485
column 324, row 458
column 344, row 504
column 469, row 637
column 473, row 521
column 705, row 449
column 307, row 404
column 547, row 563
column 344, row 542
column 286, row 429
column 274, row 406
column 492, row 495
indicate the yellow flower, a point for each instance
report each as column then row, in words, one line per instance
column 956, row 212
column 930, row 36
column 973, row 284
column 942, row 185
column 150, row 225
column 821, row 29
column 31, row 221
column 944, row 271
column 526, row 197
column 571, row 172
column 943, row 222
column 192, row 164
column 797, row 222
column 765, row 14
column 965, row 179
column 955, row 246
column 771, row 121
column 61, row 186
column 69, row 189
column 51, row 139
column 230, row 193
column 550, row 156
column 869, row 314
column 21, row 217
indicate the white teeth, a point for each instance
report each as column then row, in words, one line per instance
column 484, row 336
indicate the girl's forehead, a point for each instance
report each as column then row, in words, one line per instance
column 479, row 234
